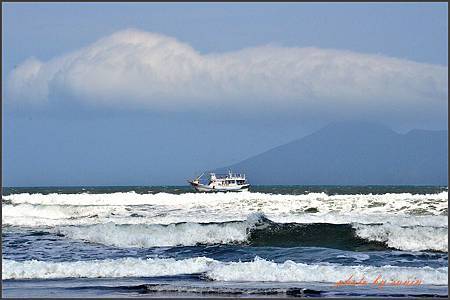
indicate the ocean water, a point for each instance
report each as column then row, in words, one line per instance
column 278, row 241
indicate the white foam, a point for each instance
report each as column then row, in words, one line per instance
column 263, row 270
column 45, row 216
column 410, row 238
column 390, row 202
column 164, row 208
column 257, row 270
column 143, row 236
column 52, row 215
column 124, row 267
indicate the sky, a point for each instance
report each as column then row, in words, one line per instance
column 152, row 93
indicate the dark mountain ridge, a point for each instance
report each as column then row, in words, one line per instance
column 353, row 153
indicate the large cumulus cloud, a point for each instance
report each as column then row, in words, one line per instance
column 136, row 69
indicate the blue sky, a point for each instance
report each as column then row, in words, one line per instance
column 149, row 94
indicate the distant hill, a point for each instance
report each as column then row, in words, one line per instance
column 353, row 153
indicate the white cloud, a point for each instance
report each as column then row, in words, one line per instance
column 144, row 70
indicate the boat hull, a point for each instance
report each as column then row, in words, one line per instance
column 215, row 189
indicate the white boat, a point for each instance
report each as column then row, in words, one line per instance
column 221, row 183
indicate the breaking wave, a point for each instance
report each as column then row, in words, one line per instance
column 402, row 221
column 257, row 270
column 154, row 235
column 34, row 210
column 257, row 230
column 263, row 270
column 320, row 202
column 415, row 238
column 123, row 267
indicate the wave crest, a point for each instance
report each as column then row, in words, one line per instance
column 257, row 270
column 258, row 230
column 35, row 210
column 155, row 235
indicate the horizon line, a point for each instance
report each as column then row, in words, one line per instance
column 254, row 185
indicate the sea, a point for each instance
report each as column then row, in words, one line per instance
column 272, row 241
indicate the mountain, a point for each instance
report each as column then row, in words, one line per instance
column 353, row 153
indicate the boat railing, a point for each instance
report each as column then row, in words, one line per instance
column 230, row 175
